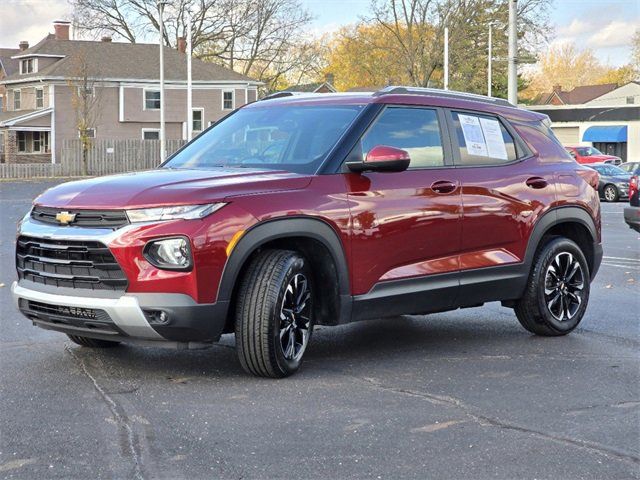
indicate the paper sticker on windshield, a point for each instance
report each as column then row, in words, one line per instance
column 473, row 137
column 493, row 137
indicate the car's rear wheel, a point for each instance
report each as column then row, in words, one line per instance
column 557, row 291
column 92, row 342
column 274, row 314
column 611, row 193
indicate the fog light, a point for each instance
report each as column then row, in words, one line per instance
column 156, row 317
column 169, row 253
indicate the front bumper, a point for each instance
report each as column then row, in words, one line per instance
column 129, row 317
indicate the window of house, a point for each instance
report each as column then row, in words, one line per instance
column 85, row 91
column 27, row 66
column 39, row 98
column 482, row 140
column 631, row 100
column 22, row 142
column 197, row 119
column 1, row 103
column 415, row 130
column 37, row 144
column 150, row 134
column 16, row 99
column 227, row 100
column 46, row 142
column 152, row 99
column 89, row 132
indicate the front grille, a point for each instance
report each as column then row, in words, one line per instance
column 75, row 317
column 69, row 263
column 83, row 218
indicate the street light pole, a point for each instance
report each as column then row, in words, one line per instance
column 163, row 138
column 189, row 79
column 512, row 83
column 446, row 58
column 490, row 60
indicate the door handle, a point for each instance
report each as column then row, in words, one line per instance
column 536, row 182
column 443, row 186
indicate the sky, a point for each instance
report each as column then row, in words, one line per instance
column 606, row 26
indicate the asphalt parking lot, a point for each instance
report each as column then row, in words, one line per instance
column 463, row 394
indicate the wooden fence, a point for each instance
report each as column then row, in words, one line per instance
column 104, row 157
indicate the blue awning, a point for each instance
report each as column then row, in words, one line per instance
column 613, row 133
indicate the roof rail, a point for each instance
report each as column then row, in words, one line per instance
column 277, row 95
column 436, row 92
column 289, row 94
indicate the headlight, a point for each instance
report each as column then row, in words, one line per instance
column 169, row 253
column 180, row 212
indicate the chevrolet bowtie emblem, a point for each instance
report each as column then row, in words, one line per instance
column 65, row 218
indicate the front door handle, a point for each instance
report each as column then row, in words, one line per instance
column 443, row 186
column 536, row 182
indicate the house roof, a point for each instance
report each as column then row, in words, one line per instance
column 113, row 60
column 310, row 87
column 9, row 65
column 578, row 95
column 8, row 119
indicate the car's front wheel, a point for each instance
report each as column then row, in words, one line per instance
column 611, row 193
column 557, row 292
column 274, row 313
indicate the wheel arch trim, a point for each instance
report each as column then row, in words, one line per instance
column 558, row 216
column 280, row 228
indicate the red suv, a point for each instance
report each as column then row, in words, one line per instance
column 297, row 211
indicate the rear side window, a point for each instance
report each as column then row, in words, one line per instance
column 482, row 140
column 415, row 130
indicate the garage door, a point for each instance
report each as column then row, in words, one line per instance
column 567, row 135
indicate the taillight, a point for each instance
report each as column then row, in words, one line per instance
column 633, row 186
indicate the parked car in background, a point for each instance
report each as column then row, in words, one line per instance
column 592, row 155
column 632, row 212
column 614, row 182
column 319, row 210
column 632, row 167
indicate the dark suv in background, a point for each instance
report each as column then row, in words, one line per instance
column 320, row 209
column 632, row 212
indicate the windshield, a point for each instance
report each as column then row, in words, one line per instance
column 285, row 137
column 588, row 151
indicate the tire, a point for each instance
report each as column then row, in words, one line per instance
column 274, row 314
column 92, row 342
column 554, row 272
column 610, row 193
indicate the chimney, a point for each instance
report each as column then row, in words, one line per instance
column 329, row 78
column 61, row 29
column 106, row 39
column 557, row 88
column 182, row 45
column 23, row 45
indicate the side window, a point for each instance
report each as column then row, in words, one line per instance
column 415, row 130
column 482, row 140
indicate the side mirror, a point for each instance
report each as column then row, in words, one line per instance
column 382, row 158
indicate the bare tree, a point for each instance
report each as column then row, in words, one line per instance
column 85, row 100
column 249, row 36
column 416, row 29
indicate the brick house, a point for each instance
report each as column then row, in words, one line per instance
column 122, row 81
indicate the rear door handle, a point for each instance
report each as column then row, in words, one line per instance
column 536, row 182
column 443, row 186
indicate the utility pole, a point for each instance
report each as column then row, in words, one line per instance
column 189, row 80
column 163, row 138
column 512, row 83
column 490, row 60
column 446, row 58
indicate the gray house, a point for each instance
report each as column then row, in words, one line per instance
column 110, row 90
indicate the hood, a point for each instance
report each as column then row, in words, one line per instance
column 168, row 187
